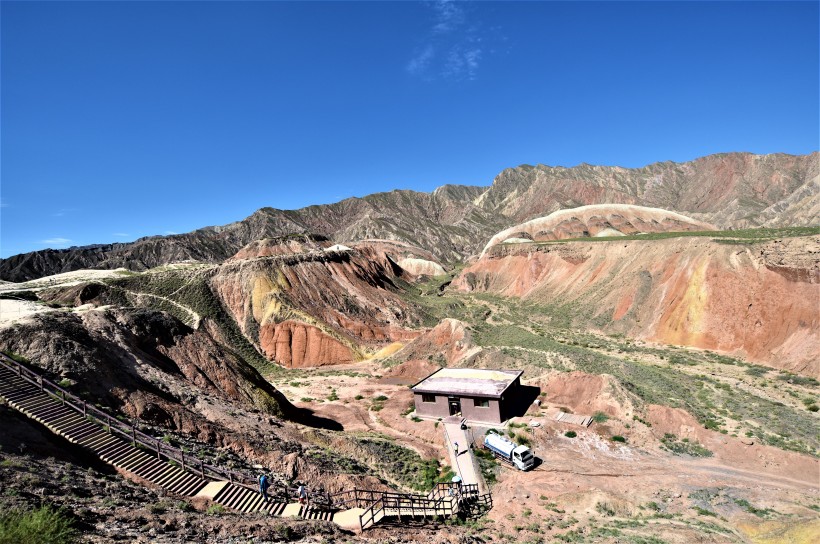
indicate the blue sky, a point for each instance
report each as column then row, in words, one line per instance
column 120, row 120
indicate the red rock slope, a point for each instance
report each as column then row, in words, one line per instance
column 759, row 301
column 314, row 308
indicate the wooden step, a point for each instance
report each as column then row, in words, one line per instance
column 184, row 482
column 172, row 478
column 125, row 458
column 144, row 465
column 99, row 441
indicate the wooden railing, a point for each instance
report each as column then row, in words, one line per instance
column 408, row 505
column 126, row 430
column 443, row 500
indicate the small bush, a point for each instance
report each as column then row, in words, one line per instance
column 600, row 417
column 570, row 434
column 215, row 509
column 35, row 527
column 358, row 397
column 704, row 512
column 380, row 398
column 618, row 438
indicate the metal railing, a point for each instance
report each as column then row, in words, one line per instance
column 129, row 431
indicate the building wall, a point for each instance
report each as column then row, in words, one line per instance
column 499, row 410
column 440, row 408
column 490, row 414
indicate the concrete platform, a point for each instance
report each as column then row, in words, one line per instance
column 211, row 489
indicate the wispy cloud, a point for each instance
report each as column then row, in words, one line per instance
column 63, row 211
column 462, row 63
column 419, row 63
column 454, row 46
column 4, row 204
column 122, row 234
column 171, row 232
column 57, row 241
column 449, row 15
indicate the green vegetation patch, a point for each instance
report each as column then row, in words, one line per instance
column 45, row 524
column 740, row 236
column 684, row 446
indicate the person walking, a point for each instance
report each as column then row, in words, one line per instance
column 264, row 484
column 302, row 492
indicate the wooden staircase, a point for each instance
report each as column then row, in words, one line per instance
column 134, row 452
column 64, row 415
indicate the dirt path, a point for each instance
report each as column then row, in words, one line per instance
column 195, row 317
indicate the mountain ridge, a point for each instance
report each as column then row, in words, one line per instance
column 729, row 190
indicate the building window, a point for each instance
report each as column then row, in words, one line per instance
column 481, row 403
column 426, row 397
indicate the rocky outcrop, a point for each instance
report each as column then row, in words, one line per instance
column 294, row 345
column 599, row 220
column 453, row 222
column 422, row 267
column 145, row 362
column 755, row 300
column 284, row 245
column 450, row 339
column 316, row 308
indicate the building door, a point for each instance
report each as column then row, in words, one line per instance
column 455, row 405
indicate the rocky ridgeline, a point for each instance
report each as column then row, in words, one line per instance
column 731, row 190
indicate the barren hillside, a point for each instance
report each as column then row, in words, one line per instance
column 729, row 190
column 755, row 300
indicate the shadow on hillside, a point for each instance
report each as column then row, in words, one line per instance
column 522, row 400
column 309, row 418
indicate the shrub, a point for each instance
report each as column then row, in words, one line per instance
column 570, row 434
column 215, row 509
column 36, row 526
column 600, row 417
column 380, row 398
column 618, row 438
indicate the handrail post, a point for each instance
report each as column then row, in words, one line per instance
column 158, row 446
column 182, row 456
column 85, row 408
column 202, row 468
column 41, row 382
column 19, row 369
column 62, row 394
column 108, row 418
column 230, row 476
column 133, row 434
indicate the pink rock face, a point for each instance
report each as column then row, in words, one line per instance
column 449, row 338
column 756, row 301
column 348, row 299
column 296, row 345
column 599, row 220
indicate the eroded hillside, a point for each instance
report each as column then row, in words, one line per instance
column 755, row 299
column 729, row 190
